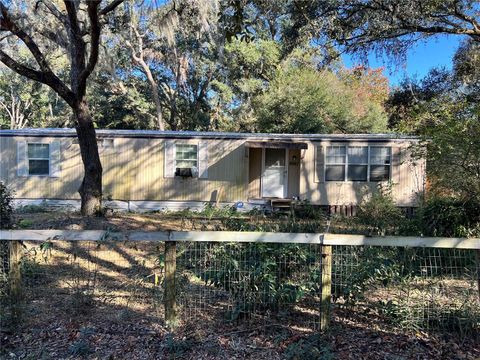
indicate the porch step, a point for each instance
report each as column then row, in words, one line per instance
column 281, row 204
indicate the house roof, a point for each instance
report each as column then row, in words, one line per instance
column 69, row 132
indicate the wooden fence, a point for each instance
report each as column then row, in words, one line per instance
column 325, row 241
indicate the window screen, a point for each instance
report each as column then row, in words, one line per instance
column 380, row 158
column 335, row 163
column 38, row 159
column 357, row 163
column 186, row 156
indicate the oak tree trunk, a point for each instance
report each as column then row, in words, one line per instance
column 91, row 188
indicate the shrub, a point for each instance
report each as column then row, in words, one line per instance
column 310, row 347
column 305, row 210
column 379, row 212
column 449, row 216
column 6, row 207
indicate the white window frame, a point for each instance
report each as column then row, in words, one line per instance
column 186, row 144
column 383, row 164
column 362, row 164
column 344, row 163
column 49, row 159
column 369, row 162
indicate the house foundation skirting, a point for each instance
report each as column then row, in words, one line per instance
column 135, row 205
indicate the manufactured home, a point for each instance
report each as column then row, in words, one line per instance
column 158, row 170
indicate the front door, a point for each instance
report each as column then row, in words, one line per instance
column 274, row 173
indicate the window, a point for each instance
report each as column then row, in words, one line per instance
column 186, row 156
column 356, row 163
column 335, row 163
column 357, row 169
column 38, row 159
column 105, row 143
column 380, row 163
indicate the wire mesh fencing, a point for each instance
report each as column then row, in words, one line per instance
column 261, row 284
column 417, row 289
column 102, row 280
column 121, row 284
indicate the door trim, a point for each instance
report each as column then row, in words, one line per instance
column 285, row 174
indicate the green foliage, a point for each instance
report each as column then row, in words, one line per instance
column 444, row 108
column 305, row 210
column 177, row 348
column 302, row 99
column 310, row 347
column 448, row 216
column 32, row 209
column 454, row 163
column 6, row 207
column 383, row 27
column 379, row 211
column 261, row 276
column 25, row 223
column 80, row 348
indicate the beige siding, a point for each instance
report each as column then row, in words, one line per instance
column 254, row 173
column 134, row 170
column 408, row 179
column 293, row 173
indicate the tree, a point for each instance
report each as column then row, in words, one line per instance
column 444, row 108
column 77, row 31
column 302, row 99
column 466, row 69
column 362, row 26
column 140, row 57
column 176, row 47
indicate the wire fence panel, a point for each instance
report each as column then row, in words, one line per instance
column 62, row 278
column 411, row 288
column 262, row 285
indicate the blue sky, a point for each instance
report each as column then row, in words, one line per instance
column 434, row 52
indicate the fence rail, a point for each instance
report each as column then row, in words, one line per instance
column 231, row 269
column 241, row 237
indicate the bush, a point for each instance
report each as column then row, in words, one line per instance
column 310, row 347
column 379, row 212
column 449, row 216
column 6, row 207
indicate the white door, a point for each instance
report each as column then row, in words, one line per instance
column 274, row 173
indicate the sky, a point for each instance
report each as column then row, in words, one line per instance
column 434, row 52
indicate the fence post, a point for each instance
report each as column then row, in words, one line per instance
column 326, row 271
column 14, row 272
column 169, row 299
column 478, row 271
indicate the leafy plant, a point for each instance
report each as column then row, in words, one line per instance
column 25, row 223
column 6, row 207
column 311, row 347
column 260, row 276
column 80, row 348
column 449, row 216
column 379, row 211
column 31, row 209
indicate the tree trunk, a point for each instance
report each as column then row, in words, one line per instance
column 91, row 188
column 156, row 98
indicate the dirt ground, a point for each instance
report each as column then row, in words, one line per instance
column 114, row 334
column 118, row 221
column 122, row 322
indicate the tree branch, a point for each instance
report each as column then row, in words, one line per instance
column 53, row 10
column 9, row 25
column 47, row 78
column 110, row 7
column 95, row 30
